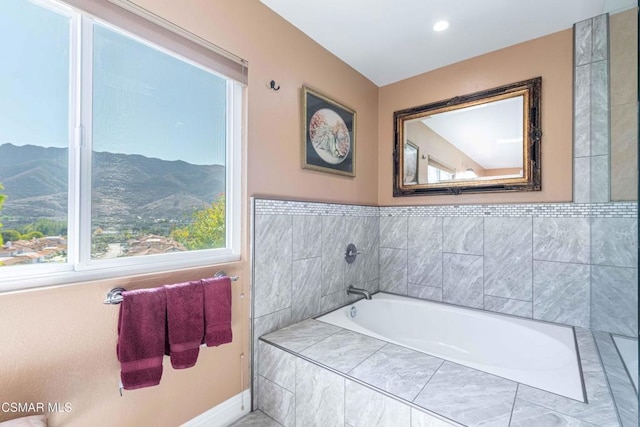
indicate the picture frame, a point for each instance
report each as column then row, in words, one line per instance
column 328, row 134
column 411, row 156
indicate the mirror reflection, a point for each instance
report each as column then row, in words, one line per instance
column 487, row 141
column 489, row 145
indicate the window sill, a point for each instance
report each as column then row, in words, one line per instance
column 59, row 278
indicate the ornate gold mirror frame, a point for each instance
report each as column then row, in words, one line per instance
column 455, row 177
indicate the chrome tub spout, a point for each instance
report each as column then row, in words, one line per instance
column 357, row 291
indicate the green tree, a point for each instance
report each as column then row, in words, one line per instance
column 32, row 235
column 2, row 197
column 10, row 235
column 208, row 229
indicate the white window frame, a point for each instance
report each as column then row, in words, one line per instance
column 79, row 266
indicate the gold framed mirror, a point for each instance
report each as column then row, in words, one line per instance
column 487, row 141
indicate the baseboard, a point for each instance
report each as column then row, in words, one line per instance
column 223, row 414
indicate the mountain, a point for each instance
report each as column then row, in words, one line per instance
column 127, row 188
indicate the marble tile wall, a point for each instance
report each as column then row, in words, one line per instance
column 295, row 392
column 299, row 270
column 580, row 270
column 623, row 61
column 591, row 152
column 567, row 263
column 313, row 366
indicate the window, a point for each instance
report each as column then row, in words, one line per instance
column 438, row 171
column 118, row 155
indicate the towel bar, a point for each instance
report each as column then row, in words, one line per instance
column 114, row 296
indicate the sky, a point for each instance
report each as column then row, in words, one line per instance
column 145, row 101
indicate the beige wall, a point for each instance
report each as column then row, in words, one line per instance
column 58, row 344
column 550, row 57
column 623, row 63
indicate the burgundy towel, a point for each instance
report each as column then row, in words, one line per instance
column 217, row 311
column 185, row 322
column 141, row 330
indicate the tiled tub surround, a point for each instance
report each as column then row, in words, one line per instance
column 299, row 268
column 566, row 263
column 316, row 374
column 573, row 264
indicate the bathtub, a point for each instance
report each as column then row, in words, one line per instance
column 534, row 353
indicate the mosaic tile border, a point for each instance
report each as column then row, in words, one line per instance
column 538, row 210
column 292, row 207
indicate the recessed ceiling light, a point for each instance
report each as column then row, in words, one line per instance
column 441, row 26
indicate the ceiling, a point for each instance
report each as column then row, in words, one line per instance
column 391, row 40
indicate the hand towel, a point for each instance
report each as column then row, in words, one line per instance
column 185, row 322
column 217, row 311
column 141, row 336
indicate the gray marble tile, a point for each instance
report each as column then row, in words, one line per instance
column 506, row 237
column 256, row 419
column 600, row 181
column 371, row 231
column 468, row 396
column 422, row 419
column 561, row 293
column 425, row 251
column 355, row 227
column 462, row 235
column 367, row 408
column 462, row 280
column 307, row 232
column 393, row 232
column 276, row 402
column 508, row 257
column 319, row 396
column 582, row 180
column 393, row 270
column 599, row 411
column 624, row 395
column 371, row 260
column 398, row 370
column 526, row 414
column 614, row 300
column 582, row 112
column 332, row 301
column 301, row 335
column 509, row 277
column 508, row 306
column 586, row 345
column 372, row 286
column 600, row 29
column 582, row 39
column 561, row 239
column 355, row 232
column 425, row 292
column 334, row 245
column 272, row 265
column 354, row 272
column 608, row 352
column 277, row 366
column 614, row 242
column 600, row 108
column 307, row 276
column 270, row 323
column 343, row 351
column 261, row 326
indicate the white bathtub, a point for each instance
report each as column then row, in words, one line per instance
column 535, row 353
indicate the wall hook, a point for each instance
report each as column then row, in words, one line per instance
column 272, row 85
